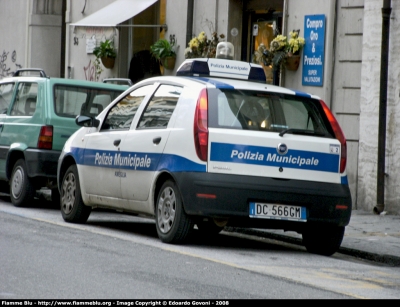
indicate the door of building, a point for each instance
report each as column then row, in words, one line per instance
column 263, row 27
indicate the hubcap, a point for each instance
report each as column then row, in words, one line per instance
column 166, row 209
column 68, row 193
column 17, row 182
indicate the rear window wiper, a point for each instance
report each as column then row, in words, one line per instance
column 302, row 131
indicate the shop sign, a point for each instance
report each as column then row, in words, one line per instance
column 314, row 50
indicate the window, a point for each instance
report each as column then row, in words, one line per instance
column 25, row 101
column 249, row 110
column 6, row 92
column 121, row 115
column 71, row 101
column 160, row 108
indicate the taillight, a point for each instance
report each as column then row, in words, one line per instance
column 201, row 126
column 338, row 134
column 46, row 138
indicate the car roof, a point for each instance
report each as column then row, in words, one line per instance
column 75, row 82
column 225, row 83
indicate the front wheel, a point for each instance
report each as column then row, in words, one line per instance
column 73, row 209
column 172, row 223
column 323, row 240
column 22, row 191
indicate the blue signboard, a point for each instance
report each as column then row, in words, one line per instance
column 314, row 50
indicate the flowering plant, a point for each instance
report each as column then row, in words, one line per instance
column 281, row 48
column 202, row 47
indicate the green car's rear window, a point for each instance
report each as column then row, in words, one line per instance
column 71, row 101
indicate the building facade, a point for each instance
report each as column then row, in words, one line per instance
column 59, row 36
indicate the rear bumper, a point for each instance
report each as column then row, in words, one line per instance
column 233, row 194
column 42, row 163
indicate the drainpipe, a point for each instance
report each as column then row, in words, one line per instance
column 380, row 196
column 189, row 23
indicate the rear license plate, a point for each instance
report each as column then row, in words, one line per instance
column 278, row 212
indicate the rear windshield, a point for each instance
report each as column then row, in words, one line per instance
column 252, row 110
column 71, row 101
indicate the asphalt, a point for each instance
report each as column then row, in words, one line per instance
column 368, row 236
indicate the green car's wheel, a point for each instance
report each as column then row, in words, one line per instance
column 22, row 190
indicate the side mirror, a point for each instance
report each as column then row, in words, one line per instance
column 86, row 121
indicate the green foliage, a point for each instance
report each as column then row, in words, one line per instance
column 106, row 49
column 162, row 49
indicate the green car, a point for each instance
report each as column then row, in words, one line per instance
column 37, row 116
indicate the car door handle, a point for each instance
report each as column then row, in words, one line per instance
column 116, row 142
column 157, row 140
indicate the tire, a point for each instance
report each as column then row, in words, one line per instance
column 209, row 227
column 73, row 210
column 323, row 240
column 22, row 191
column 172, row 223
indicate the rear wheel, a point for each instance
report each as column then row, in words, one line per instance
column 323, row 240
column 22, row 190
column 173, row 225
column 73, row 209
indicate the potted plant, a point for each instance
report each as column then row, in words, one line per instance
column 282, row 52
column 202, row 47
column 106, row 52
column 164, row 51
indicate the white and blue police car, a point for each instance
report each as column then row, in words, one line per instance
column 214, row 146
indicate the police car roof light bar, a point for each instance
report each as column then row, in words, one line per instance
column 193, row 68
column 213, row 67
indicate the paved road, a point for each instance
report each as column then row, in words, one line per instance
column 55, row 259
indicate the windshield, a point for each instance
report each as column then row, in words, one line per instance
column 262, row 111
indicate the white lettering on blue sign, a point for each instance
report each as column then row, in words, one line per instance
column 119, row 160
column 313, row 60
column 256, row 156
column 313, row 35
column 292, row 160
column 314, row 24
column 247, row 155
column 312, row 79
column 103, row 159
column 132, row 161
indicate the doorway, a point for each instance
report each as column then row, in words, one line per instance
column 261, row 25
column 136, row 37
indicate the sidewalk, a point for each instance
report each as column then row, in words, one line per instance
column 368, row 236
